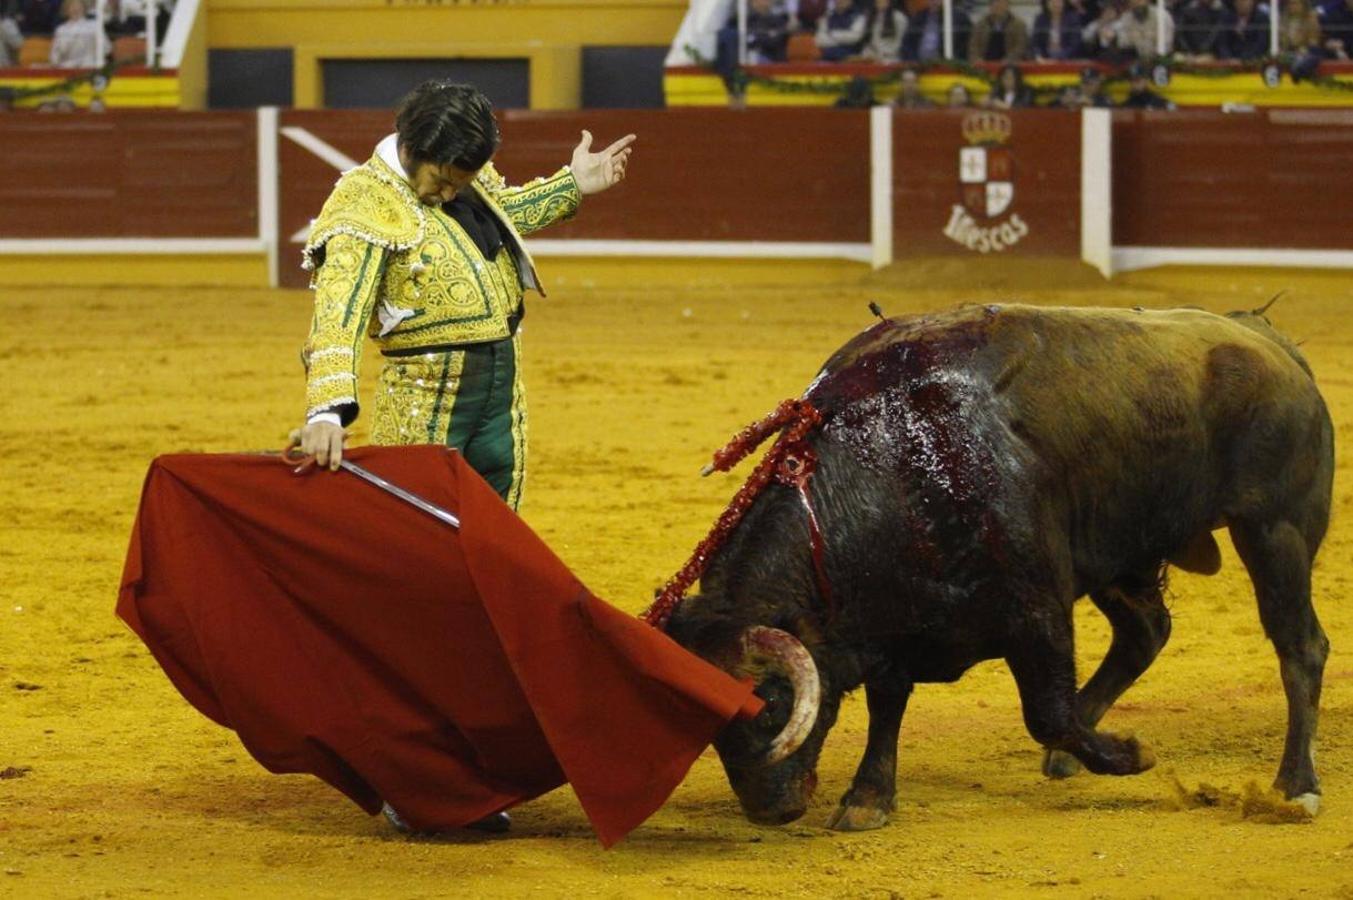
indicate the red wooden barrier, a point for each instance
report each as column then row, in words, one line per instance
column 964, row 181
column 1275, row 179
column 697, row 175
column 984, row 181
column 129, row 174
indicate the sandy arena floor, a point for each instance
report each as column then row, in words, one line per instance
column 112, row 786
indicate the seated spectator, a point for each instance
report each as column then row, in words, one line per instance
column 924, row 40
column 1300, row 28
column 958, row 96
column 1247, row 37
column 11, row 39
column 887, row 24
column 1086, row 10
column 75, row 43
column 1057, row 32
column 1137, row 29
column 767, row 37
column 1337, row 29
column 1010, row 91
column 859, row 94
column 1099, row 38
column 1201, row 24
column 999, row 36
column 840, row 33
column 1091, row 92
column 909, row 94
column 129, row 16
column 1140, row 95
column 804, row 14
column 1068, row 97
column 39, row 16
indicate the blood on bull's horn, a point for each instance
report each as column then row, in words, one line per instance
column 782, row 652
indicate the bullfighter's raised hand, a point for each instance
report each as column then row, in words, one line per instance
column 595, row 172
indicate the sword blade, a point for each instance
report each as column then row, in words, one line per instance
column 412, row 499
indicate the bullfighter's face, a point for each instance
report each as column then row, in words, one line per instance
column 435, row 184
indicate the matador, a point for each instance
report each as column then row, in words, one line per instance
column 420, row 249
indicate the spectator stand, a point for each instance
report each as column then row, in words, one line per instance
column 1208, row 85
column 1188, row 79
column 138, row 70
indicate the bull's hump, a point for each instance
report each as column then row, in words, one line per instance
column 901, row 351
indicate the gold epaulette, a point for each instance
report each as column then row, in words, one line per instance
column 490, row 178
column 369, row 203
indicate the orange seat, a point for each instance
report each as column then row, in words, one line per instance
column 802, row 48
column 36, row 51
column 129, row 50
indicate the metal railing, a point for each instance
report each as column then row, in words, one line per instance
column 151, row 8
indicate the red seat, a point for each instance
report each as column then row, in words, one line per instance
column 802, row 48
column 129, row 50
column 36, row 51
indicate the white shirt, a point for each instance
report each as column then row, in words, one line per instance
column 75, row 45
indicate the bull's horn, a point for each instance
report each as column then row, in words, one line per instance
column 785, row 654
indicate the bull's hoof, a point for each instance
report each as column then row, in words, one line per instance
column 1309, row 802
column 1146, row 757
column 1060, row 764
column 857, row 818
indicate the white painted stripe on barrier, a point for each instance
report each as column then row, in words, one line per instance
column 705, row 249
column 330, row 154
column 1128, row 259
column 127, row 246
column 881, row 185
column 268, row 186
column 1097, row 189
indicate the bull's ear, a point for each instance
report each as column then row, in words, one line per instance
column 802, row 627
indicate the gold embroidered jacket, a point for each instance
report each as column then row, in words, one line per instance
column 387, row 265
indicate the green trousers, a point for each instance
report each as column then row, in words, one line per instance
column 470, row 399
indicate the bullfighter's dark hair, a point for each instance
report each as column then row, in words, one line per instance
column 441, row 122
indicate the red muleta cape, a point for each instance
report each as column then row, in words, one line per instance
column 342, row 632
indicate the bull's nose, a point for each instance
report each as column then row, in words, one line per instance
column 775, row 816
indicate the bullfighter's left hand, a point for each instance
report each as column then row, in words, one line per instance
column 595, row 172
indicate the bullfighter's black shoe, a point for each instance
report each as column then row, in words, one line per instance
column 497, row 823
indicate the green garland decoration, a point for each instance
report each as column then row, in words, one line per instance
column 65, row 86
column 741, row 79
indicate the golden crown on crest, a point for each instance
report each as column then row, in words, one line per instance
column 986, row 127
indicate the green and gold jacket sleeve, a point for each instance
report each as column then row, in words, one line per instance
column 536, row 204
column 346, row 285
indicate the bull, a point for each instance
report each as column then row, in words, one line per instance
column 978, row 471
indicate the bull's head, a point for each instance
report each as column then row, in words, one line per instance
column 771, row 760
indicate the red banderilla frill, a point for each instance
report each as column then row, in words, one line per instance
column 790, row 461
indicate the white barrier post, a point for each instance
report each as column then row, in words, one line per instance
column 881, row 186
column 268, row 187
column 1273, row 28
column 152, row 50
column 1097, row 189
column 948, row 29
column 1160, row 27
